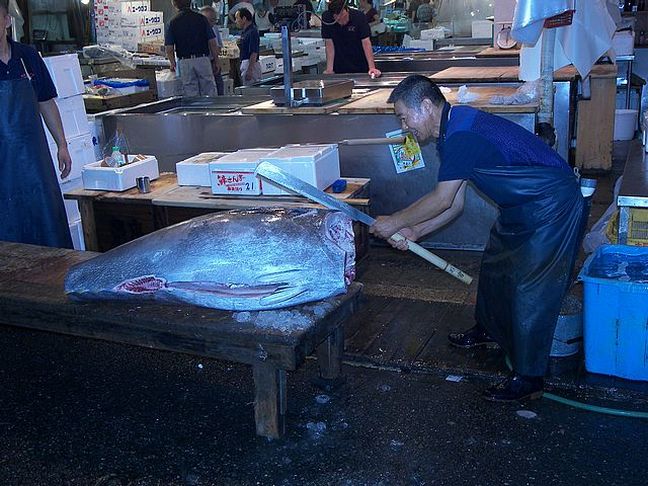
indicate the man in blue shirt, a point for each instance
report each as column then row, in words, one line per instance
column 348, row 40
column 191, row 38
column 31, row 206
column 527, row 264
column 249, row 47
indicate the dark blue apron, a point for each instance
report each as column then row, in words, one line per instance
column 528, row 261
column 31, row 206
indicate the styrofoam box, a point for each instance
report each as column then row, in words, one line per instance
column 137, row 6
column 142, row 19
column 66, row 74
column 76, row 232
column 482, row 29
column 427, row 44
column 268, row 64
column 623, row 43
column 319, row 165
column 71, row 206
column 194, row 171
column 81, row 151
column 73, row 116
column 233, row 174
column 119, row 178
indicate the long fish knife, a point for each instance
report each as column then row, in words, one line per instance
column 294, row 184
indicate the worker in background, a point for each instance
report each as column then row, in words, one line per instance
column 211, row 16
column 425, row 11
column 272, row 4
column 249, row 47
column 31, row 205
column 191, row 38
column 370, row 12
column 308, row 8
column 262, row 19
column 412, row 8
column 527, row 264
column 348, row 45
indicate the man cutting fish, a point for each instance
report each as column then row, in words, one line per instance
column 527, row 264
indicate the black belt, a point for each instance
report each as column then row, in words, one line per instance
column 193, row 56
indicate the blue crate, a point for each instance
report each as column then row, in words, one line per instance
column 615, row 325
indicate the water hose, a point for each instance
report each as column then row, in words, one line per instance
column 587, row 406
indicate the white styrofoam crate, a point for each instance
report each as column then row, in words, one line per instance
column 71, row 205
column 137, row 6
column 233, row 174
column 73, row 117
column 76, row 232
column 119, row 178
column 623, row 43
column 318, row 165
column 268, row 64
column 81, row 151
column 194, row 171
column 141, row 19
column 482, row 29
column 66, row 74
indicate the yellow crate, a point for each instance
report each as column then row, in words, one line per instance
column 638, row 227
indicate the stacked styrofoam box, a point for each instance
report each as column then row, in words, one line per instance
column 65, row 71
column 141, row 27
column 194, row 171
column 318, row 165
column 233, row 174
column 108, row 15
column 268, row 64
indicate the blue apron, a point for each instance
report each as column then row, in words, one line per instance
column 31, row 206
column 528, row 261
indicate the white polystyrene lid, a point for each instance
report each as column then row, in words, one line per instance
column 247, row 155
column 302, row 153
column 204, row 158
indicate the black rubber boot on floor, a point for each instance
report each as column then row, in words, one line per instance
column 473, row 337
column 515, row 387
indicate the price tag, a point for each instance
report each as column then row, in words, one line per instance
column 235, row 183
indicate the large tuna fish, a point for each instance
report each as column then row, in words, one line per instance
column 236, row 260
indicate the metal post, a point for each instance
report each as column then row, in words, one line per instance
column 287, row 64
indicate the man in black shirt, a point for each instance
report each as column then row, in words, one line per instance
column 190, row 36
column 348, row 44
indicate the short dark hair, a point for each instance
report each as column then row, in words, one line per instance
column 414, row 89
column 244, row 13
column 4, row 5
column 181, row 4
column 336, row 6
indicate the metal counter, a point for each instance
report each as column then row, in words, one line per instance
column 634, row 188
column 172, row 133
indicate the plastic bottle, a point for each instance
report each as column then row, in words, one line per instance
column 116, row 159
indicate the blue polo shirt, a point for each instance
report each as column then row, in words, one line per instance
column 471, row 139
column 249, row 42
column 33, row 63
column 190, row 33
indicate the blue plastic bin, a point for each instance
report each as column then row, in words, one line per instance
column 615, row 325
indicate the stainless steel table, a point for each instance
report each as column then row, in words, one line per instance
column 634, row 188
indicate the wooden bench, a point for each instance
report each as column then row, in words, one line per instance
column 273, row 342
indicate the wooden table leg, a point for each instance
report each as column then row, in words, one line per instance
column 86, row 209
column 270, row 400
column 329, row 355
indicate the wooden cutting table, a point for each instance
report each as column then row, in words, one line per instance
column 112, row 218
column 32, row 296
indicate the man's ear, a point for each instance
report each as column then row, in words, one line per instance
column 427, row 106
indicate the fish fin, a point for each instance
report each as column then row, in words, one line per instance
column 279, row 277
column 282, row 295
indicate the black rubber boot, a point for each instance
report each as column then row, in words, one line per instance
column 473, row 337
column 515, row 387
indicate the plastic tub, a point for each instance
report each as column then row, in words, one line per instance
column 625, row 124
column 615, row 321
